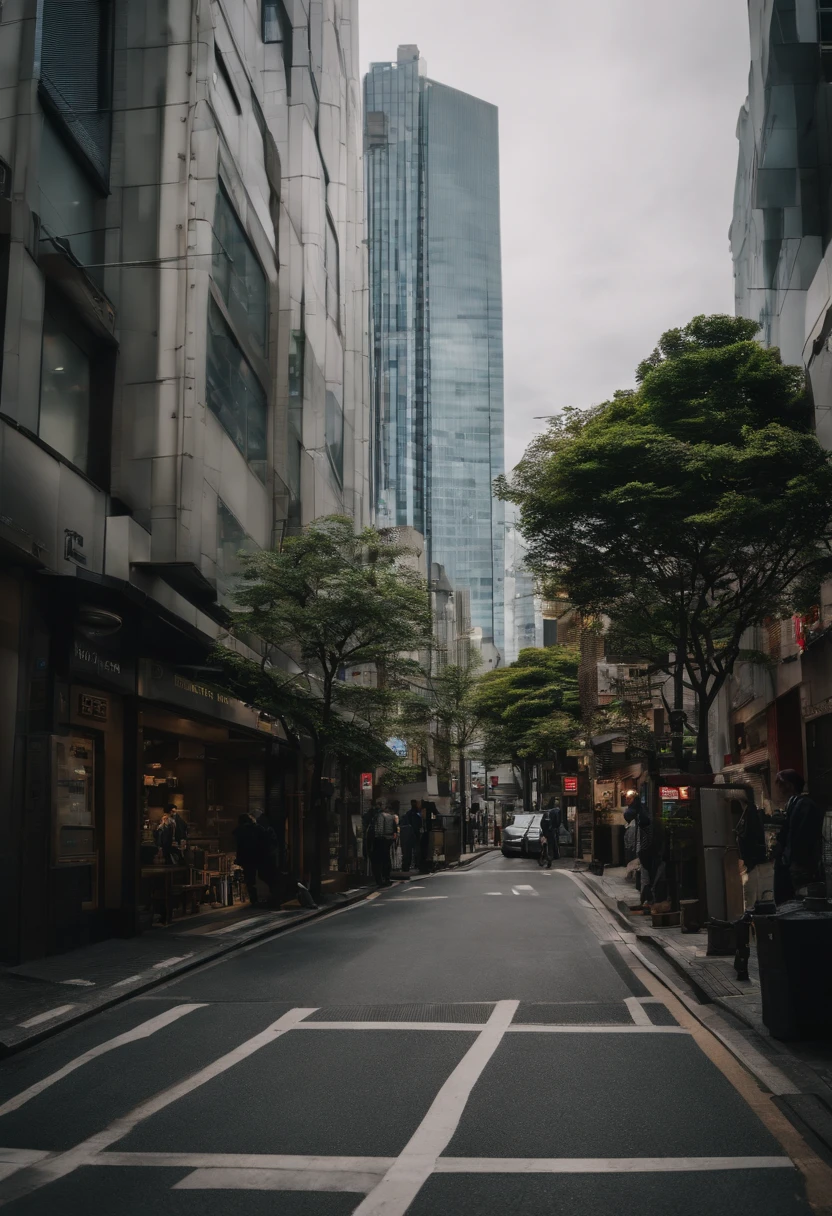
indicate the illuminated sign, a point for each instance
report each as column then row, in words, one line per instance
column 570, row 785
column 685, row 793
column 669, row 793
column 367, row 782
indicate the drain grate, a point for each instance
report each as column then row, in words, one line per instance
column 478, row 1013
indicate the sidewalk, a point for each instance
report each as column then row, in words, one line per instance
column 43, row 997
column 713, row 979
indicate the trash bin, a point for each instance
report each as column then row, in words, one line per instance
column 794, row 947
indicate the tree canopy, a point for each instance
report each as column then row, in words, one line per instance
column 686, row 509
column 530, row 708
column 331, row 599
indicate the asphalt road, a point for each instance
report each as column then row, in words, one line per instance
column 480, row 1041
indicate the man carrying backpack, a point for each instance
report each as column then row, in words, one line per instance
column 384, row 828
column 549, row 831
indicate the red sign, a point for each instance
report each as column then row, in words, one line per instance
column 366, row 782
column 570, row 785
column 685, row 793
column 495, row 780
column 669, row 793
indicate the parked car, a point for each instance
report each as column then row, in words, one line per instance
column 522, row 837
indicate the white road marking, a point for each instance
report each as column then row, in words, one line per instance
column 14, row 1159
column 469, row 1027
column 49, row 1016
column 237, row 925
column 493, row 892
column 514, row 1028
column 168, row 962
column 405, row 1178
column 142, row 1031
column 637, row 1011
column 251, row 1161
column 339, row 1181
column 523, row 890
column 651, row 1029
column 605, row 1165
column 407, row 899
column 131, row 979
column 80, row 983
column 52, row 1168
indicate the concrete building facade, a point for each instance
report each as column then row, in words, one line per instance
column 183, row 303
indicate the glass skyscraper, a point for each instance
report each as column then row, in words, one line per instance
column 433, row 199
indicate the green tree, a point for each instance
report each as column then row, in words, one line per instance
column 530, row 709
column 333, row 599
column 687, row 509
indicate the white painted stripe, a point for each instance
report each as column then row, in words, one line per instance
column 414, row 899
column 606, row 1165
column 516, row 1027
column 469, row 1027
column 131, row 979
column 49, row 1016
column 251, row 1161
column 651, row 1029
column 79, row 983
column 142, row 1031
column 49, row 1170
column 637, row 1011
column 403, row 1181
column 238, row 925
column 493, row 892
column 22, row 1156
column 276, row 1180
column 168, row 962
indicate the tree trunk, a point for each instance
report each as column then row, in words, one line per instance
column 463, row 807
column 527, row 787
column 318, row 819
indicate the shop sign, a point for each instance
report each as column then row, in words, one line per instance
column 675, row 793
column 159, row 682
column 101, row 661
column 92, row 707
column 570, row 785
column 495, row 780
column 366, row 783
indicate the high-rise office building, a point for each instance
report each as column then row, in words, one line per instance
column 432, row 166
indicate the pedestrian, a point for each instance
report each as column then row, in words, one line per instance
column 248, row 839
column 797, row 853
column 549, row 830
column 757, row 870
column 165, row 837
column 636, row 812
column 267, row 850
column 384, row 831
column 411, row 834
column 180, row 829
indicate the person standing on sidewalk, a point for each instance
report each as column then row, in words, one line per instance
column 248, row 839
column 549, row 831
column 411, row 832
column 797, row 853
column 384, row 829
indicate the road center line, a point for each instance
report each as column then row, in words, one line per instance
column 143, row 1031
column 58, row 1166
column 403, row 1181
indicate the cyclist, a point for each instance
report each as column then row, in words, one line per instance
column 549, row 828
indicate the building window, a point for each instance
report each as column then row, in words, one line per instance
column 76, row 75
column 238, row 274
column 278, row 28
column 297, row 344
column 232, row 540
column 65, row 395
column 333, row 293
column 235, row 394
column 334, row 433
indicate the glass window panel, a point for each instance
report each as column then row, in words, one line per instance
column 278, row 28
column 235, row 394
column 64, row 395
column 335, row 433
column 238, row 274
column 297, row 344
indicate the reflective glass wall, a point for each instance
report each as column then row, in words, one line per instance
column 432, row 166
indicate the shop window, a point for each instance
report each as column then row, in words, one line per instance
column 235, row 394
column 76, row 74
column 278, row 28
column 239, row 275
column 334, row 429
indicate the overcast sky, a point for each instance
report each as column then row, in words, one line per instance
column 618, row 155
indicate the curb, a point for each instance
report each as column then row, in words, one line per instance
column 10, row 1049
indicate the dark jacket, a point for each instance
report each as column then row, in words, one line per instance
column 751, row 838
column 249, row 846
column 180, row 828
column 799, row 839
column 413, row 819
column 550, row 824
column 165, row 835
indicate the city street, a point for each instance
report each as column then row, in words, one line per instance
column 478, row 1041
